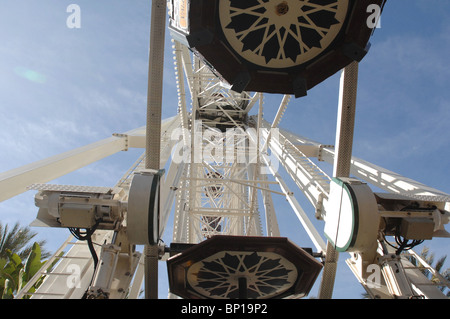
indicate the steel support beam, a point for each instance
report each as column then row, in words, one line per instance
column 389, row 181
column 301, row 215
column 343, row 155
column 153, row 128
column 16, row 181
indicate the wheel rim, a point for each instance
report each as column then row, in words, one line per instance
column 281, row 33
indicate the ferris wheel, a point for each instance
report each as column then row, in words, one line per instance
column 222, row 163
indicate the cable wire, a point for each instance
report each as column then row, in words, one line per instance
column 402, row 243
column 87, row 236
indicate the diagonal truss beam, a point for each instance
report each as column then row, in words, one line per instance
column 16, row 181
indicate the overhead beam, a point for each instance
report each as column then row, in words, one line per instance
column 16, row 181
column 371, row 173
column 389, row 181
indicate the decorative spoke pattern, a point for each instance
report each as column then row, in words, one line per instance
column 281, row 33
column 267, row 275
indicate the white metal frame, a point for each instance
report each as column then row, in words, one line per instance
column 213, row 196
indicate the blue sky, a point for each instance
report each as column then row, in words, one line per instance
column 62, row 88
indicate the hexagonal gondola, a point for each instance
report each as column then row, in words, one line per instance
column 274, row 46
column 242, row 267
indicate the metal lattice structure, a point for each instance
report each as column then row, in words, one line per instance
column 222, row 164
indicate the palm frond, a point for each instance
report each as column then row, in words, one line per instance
column 19, row 240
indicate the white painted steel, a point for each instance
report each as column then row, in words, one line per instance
column 16, row 181
column 341, row 166
column 214, row 196
column 298, row 210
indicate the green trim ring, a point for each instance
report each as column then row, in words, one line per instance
column 355, row 217
column 154, row 208
column 153, row 219
column 143, row 212
column 352, row 217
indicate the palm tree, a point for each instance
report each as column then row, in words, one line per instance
column 18, row 240
column 429, row 258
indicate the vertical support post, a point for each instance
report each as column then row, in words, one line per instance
column 153, row 128
column 271, row 219
column 155, row 81
column 346, row 121
column 254, row 227
column 342, row 160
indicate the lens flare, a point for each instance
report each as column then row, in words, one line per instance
column 30, row 75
